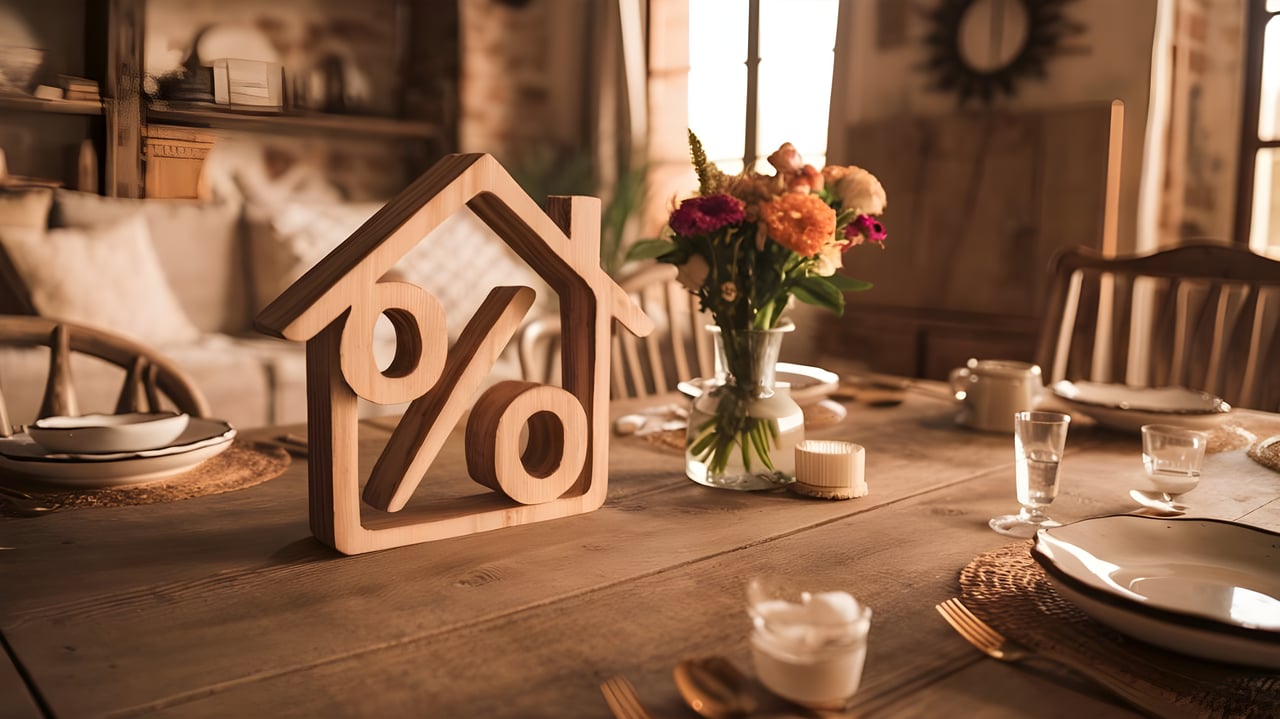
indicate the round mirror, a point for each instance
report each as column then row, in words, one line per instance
column 992, row 33
column 981, row 48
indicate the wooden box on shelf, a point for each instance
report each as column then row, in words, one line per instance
column 175, row 161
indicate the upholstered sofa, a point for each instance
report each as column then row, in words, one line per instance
column 188, row 278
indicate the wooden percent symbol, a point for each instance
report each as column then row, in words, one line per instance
column 441, row 386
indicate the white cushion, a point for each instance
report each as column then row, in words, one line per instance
column 198, row 244
column 458, row 263
column 107, row 276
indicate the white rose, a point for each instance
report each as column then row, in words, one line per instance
column 829, row 259
column 861, row 192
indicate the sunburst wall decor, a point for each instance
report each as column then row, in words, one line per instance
column 1044, row 27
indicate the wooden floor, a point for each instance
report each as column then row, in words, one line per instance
column 225, row 606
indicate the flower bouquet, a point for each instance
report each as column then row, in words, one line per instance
column 745, row 245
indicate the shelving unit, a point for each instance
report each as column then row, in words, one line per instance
column 219, row 117
column 114, row 36
column 61, row 107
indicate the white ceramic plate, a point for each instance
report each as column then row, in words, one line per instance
column 1204, row 587
column 108, row 433
column 1128, row 408
column 202, row 439
column 808, row 385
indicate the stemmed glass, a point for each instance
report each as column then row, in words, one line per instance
column 1039, row 439
column 1171, row 459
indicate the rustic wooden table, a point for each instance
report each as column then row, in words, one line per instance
column 225, row 606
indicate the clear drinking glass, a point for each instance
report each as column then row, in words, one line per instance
column 1171, row 460
column 1039, row 439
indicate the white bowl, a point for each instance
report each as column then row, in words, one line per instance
column 1127, row 408
column 102, row 433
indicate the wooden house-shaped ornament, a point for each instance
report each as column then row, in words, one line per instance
column 333, row 308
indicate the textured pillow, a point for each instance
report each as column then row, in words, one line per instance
column 106, row 276
column 20, row 208
column 458, row 263
column 25, row 208
column 198, row 244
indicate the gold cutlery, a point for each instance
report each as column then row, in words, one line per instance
column 1148, row 699
column 621, row 698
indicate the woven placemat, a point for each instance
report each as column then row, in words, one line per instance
column 242, row 465
column 1009, row 590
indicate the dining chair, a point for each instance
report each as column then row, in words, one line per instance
column 1202, row 316
column 678, row 349
column 150, row 379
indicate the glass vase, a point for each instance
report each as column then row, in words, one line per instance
column 743, row 429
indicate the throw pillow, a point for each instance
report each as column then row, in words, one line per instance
column 458, row 263
column 107, row 276
column 20, row 208
column 199, row 246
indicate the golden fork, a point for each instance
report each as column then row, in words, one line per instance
column 621, row 697
column 1148, row 699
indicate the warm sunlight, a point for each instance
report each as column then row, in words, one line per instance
column 797, row 39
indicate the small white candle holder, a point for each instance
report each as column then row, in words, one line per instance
column 830, row 469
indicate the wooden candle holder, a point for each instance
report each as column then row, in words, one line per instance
column 334, row 306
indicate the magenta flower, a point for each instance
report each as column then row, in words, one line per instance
column 865, row 227
column 703, row 215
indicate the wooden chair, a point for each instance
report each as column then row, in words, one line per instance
column 149, row 379
column 678, row 349
column 1202, row 316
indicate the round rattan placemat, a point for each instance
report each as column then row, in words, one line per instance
column 1009, row 590
column 242, row 465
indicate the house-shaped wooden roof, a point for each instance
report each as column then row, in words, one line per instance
column 334, row 305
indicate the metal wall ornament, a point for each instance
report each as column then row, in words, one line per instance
column 981, row 49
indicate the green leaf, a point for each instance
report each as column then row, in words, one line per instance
column 848, row 284
column 649, row 249
column 818, row 291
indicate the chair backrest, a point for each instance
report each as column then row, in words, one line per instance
column 1202, row 316
column 678, row 349
column 149, row 377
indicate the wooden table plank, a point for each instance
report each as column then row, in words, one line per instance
column 225, row 604
column 16, row 701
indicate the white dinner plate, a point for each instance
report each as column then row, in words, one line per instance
column 1204, row 587
column 1127, row 408
column 808, row 384
column 201, row 440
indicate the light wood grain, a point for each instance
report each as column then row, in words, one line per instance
column 334, row 306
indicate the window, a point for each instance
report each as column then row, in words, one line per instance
column 759, row 76
column 1258, row 199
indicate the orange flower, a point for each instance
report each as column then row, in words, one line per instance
column 801, row 223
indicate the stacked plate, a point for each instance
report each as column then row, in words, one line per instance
column 1127, row 408
column 113, row 450
column 1204, row 587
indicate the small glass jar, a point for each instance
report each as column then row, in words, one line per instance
column 807, row 646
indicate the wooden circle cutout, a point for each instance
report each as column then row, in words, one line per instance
column 556, row 452
column 419, row 322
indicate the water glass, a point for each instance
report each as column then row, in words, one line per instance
column 1039, row 439
column 807, row 645
column 1171, row 457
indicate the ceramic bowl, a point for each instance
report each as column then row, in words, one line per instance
column 1127, row 408
column 1204, row 587
column 105, row 433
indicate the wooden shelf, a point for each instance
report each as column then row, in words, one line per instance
column 255, row 120
column 61, row 107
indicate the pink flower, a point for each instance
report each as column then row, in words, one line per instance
column 786, row 159
column 865, row 227
column 704, row 215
